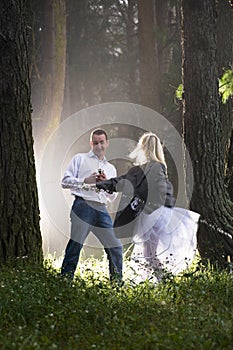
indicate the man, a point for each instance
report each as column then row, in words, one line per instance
column 89, row 211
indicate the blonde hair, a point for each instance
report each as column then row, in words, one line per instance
column 149, row 148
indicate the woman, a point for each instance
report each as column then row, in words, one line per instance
column 164, row 237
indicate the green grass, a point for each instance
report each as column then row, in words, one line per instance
column 40, row 310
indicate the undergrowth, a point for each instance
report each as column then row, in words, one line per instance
column 41, row 310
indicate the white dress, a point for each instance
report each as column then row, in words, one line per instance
column 164, row 241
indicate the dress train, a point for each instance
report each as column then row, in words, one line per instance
column 164, row 240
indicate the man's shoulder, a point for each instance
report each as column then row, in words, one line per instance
column 80, row 155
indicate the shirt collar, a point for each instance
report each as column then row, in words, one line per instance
column 91, row 154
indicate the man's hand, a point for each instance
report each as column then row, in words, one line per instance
column 100, row 177
column 91, row 179
column 95, row 177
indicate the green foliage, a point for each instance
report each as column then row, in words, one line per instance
column 41, row 310
column 226, row 85
column 179, row 92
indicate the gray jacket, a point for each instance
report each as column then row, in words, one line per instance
column 148, row 182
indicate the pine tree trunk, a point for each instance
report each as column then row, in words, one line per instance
column 132, row 62
column 163, row 28
column 19, row 212
column 148, row 55
column 202, row 129
column 48, row 90
column 225, row 61
column 58, row 66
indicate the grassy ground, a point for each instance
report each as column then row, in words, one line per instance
column 40, row 310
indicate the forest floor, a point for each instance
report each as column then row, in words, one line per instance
column 41, row 310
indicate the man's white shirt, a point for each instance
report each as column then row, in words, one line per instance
column 82, row 165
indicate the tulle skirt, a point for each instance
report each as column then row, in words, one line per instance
column 165, row 240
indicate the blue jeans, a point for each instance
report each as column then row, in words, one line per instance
column 89, row 216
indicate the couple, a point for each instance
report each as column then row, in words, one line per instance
column 164, row 237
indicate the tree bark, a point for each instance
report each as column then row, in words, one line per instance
column 202, row 129
column 131, row 54
column 225, row 61
column 19, row 226
column 48, row 86
column 148, row 55
column 163, row 35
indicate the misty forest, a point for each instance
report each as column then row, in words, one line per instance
column 68, row 67
column 61, row 57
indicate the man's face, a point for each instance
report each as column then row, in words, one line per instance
column 99, row 145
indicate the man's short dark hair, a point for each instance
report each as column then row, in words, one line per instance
column 98, row 132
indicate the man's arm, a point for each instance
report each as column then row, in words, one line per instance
column 70, row 179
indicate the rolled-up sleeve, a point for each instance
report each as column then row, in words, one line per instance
column 70, row 179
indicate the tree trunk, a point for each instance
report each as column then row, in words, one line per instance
column 48, row 98
column 163, row 34
column 59, row 63
column 148, row 55
column 225, row 61
column 19, row 226
column 202, row 129
column 131, row 48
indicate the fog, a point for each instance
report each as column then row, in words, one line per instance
column 71, row 137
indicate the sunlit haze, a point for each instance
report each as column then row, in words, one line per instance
column 55, row 202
